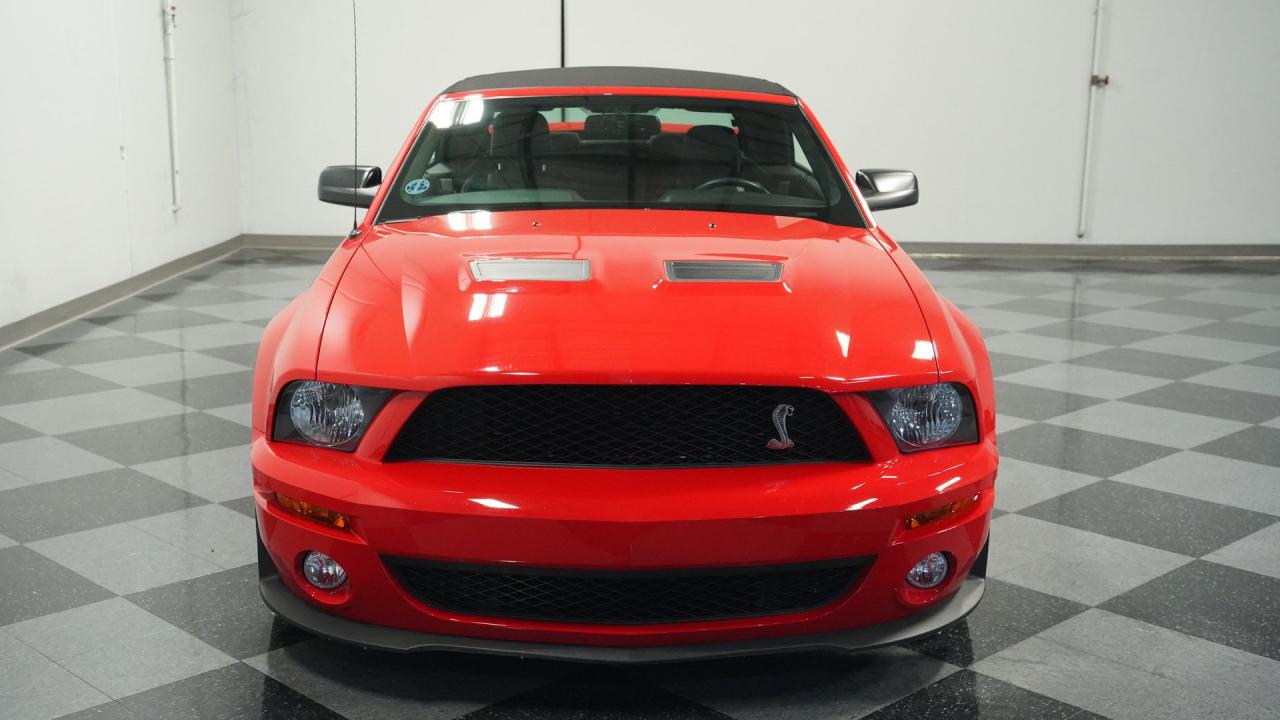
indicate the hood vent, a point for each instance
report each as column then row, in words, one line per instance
column 506, row 270
column 723, row 271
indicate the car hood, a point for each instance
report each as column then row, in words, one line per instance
column 408, row 312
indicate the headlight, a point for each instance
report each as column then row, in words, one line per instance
column 928, row 416
column 326, row 414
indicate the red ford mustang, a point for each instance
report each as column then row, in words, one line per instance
column 619, row 367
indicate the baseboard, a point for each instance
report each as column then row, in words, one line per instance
column 291, row 242
column 44, row 320
column 1066, row 251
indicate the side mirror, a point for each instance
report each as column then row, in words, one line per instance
column 351, row 185
column 887, row 189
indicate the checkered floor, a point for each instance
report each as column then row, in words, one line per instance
column 1135, row 556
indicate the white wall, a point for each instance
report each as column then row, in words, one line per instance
column 1188, row 132
column 293, row 77
column 83, row 142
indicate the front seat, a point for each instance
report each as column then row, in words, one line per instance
column 710, row 152
column 519, row 139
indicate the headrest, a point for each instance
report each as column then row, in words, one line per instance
column 620, row 126
column 518, row 133
column 670, row 145
column 712, row 144
column 764, row 138
column 563, row 142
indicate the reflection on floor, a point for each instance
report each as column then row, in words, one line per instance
column 1135, row 557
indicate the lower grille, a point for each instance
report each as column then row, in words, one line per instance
column 628, row 426
column 657, row 596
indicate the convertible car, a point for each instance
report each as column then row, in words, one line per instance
column 619, row 367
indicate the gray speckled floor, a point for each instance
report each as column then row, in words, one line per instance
column 1135, row 558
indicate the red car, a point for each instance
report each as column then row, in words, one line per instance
column 619, row 367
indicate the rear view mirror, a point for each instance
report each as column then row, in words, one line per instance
column 351, row 185
column 887, row 189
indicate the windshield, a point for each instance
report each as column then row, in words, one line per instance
column 608, row 151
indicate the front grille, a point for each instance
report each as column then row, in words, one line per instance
column 626, row 426
column 656, row 596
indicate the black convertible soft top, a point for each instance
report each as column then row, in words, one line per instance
column 604, row 76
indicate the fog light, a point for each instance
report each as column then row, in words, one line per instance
column 929, row 572
column 322, row 571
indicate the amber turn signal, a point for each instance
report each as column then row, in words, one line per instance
column 312, row 512
column 938, row 513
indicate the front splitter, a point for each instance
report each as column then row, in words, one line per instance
column 297, row 612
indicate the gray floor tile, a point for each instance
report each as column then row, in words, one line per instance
column 1255, row 445
column 1203, row 348
column 195, row 297
column 1003, row 364
column 239, row 414
column 92, row 410
column 596, row 694
column 1125, row 669
column 1146, row 320
column 1080, row 380
column 118, row 647
column 1085, row 331
column 167, row 437
column 1160, row 287
column 1236, row 296
column 1021, row 484
column 207, row 336
column 216, row 475
column 1237, row 610
column 11, row 431
column 1042, row 348
column 224, row 609
column 36, row 688
column 966, row 297
column 45, row 384
column 244, row 310
column 238, row 691
column 211, row 391
column 989, row 319
column 1258, row 553
column 74, row 331
column 1209, row 477
column 1079, row 451
column 1145, row 362
column 245, row 354
column 14, row 362
column 1211, row 401
column 215, row 534
column 1194, row 308
column 846, row 687
column 1239, row 332
column 59, row 507
column 1069, row 563
column 44, row 458
column 1149, row 424
column 151, row 369
column 98, row 350
column 35, row 585
column 967, row 694
column 123, row 558
column 158, row 320
column 378, row 686
column 1098, row 296
column 1007, row 615
column 1270, row 361
column 1245, row 378
column 1035, row 403
column 1150, row 517
column 1269, row 318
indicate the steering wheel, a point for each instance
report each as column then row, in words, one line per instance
column 738, row 182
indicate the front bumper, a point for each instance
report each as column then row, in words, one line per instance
column 622, row 521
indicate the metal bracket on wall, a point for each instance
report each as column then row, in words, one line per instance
column 1099, row 80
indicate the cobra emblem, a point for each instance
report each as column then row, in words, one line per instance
column 780, row 415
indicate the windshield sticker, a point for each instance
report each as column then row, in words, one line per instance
column 417, row 187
